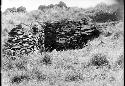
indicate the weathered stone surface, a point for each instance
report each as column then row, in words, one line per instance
column 66, row 34
column 59, row 35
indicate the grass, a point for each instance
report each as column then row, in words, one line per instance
column 71, row 67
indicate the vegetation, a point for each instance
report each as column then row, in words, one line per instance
column 103, row 13
column 59, row 45
column 21, row 9
column 99, row 60
column 61, row 5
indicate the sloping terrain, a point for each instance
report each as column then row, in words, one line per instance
column 61, row 46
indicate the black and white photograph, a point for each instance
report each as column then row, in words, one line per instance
column 62, row 42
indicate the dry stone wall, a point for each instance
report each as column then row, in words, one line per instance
column 59, row 35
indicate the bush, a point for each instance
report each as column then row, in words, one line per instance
column 119, row 63
column 50, row 6
column 99, row 60
column 41, row 7
column 19, row 79
column 104, row 13
column 61, row 4
column 47, row 60
column 105, row 17
column 21, row 9
column 11, row 10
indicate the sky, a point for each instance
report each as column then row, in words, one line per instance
column 33, row 4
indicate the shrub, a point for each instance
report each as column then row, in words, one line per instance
column 50, row 6
column 19, row 79
column 99, row 60
column 104, row 13
column 21, row 9
column 47, row 60
column 11, row 10
column 119, row 63
column 41, row 7
column 105, row 16
column 61, row 4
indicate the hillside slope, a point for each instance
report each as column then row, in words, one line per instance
column 80, row 57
